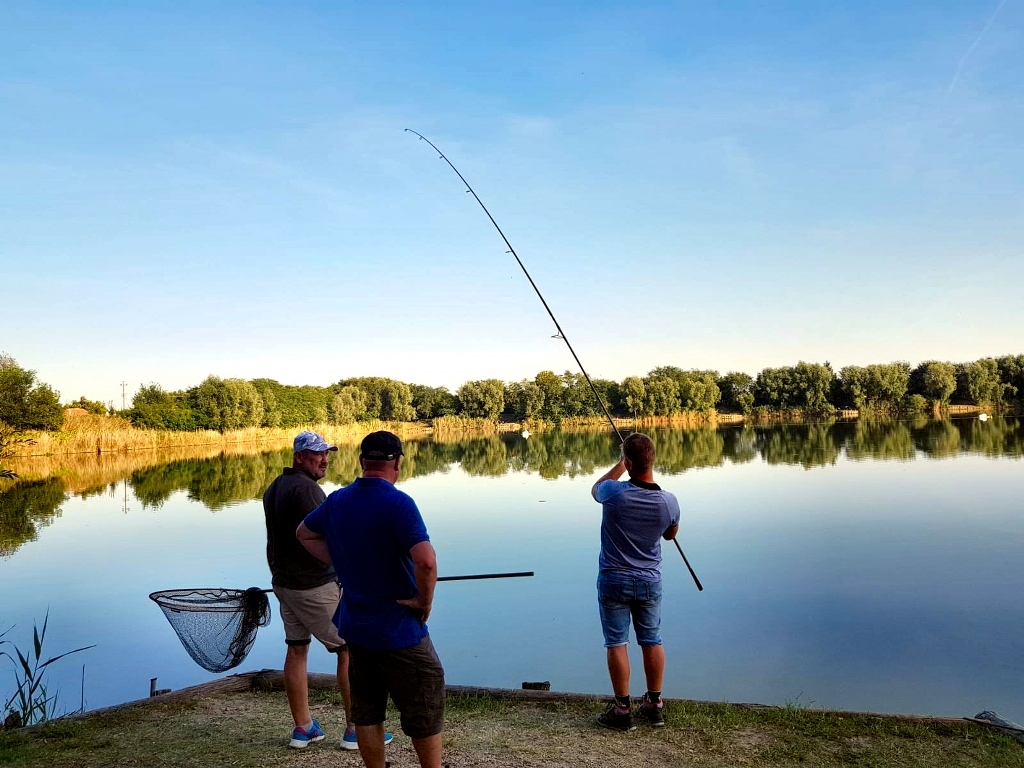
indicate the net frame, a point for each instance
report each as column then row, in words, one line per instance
column 216, row 626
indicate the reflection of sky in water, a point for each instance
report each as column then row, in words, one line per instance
column 863, row 585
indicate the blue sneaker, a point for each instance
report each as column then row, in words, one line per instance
column 349, row 741
column 302, row 737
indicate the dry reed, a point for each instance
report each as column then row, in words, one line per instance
column 445, row 426
column 684, row 420
column 84, row 433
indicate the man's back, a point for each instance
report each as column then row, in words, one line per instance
column 635, row 515
column 370, row 526
column 288, row 500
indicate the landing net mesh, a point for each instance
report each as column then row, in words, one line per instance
column 216, row 626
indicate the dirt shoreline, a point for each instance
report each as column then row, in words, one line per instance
column 270, row 680
column 243, row 720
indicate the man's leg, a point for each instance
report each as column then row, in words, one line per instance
column 417, row 688
column 344, row 687
column 296, row 684
column 647, row 620
column 654, row 666
column 371, row 744
column 428, row 751
column 618, row 669
column 614, row 594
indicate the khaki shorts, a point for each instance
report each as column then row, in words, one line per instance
column 414, row 678
column 310, row 612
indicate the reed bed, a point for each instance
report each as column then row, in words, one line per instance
column 591, row 423
column 446, row 426
column 85, row 433
column 764, row 415
column 537, row 425
column 684, row 420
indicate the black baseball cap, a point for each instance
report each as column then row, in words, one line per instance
column 380, row 446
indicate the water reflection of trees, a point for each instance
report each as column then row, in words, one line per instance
column 24, row 509
column 216, row 482
column 679, row 450
column 937, row 439
column 553, row 454
column 872, row 439
column 809, row 445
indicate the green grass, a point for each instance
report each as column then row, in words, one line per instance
column 251, row 730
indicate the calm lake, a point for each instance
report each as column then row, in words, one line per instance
column 867, row 566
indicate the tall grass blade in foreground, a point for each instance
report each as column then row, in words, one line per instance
column 31, row 699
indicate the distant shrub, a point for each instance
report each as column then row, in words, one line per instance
column 24, row 402
column 917, row 403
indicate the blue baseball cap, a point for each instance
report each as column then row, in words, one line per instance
column 311, row 441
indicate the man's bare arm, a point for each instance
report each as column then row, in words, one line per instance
column 424, row 561
column 313, row 542
column 612, row 474
column 670, row 533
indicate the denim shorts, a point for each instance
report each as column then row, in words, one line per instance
column 620, row 597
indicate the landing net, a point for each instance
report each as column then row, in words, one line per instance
column 216, row 626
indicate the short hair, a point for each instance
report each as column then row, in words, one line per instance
column 376, row 465
column 639, row 449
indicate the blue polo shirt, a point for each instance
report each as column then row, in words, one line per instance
column 634, row 516
column 370, row 526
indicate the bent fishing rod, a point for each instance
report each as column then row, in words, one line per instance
column 561, row 334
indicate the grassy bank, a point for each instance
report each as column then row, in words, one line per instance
column 250, row 729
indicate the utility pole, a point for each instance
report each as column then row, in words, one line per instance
column 123, row 385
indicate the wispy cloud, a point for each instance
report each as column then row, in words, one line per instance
column 974, row 45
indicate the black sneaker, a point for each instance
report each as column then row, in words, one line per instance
column 652, row 713
column 617, row 721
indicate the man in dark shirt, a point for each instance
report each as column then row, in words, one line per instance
column 375, row 536
column 307, row 589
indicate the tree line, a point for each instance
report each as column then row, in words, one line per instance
column 810, row 388
column 814, row 389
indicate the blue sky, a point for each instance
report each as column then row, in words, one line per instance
column 195, row 188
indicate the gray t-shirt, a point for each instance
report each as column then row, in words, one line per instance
column 635, row 515
column 286, row 503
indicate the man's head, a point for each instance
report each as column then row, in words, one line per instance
column 309, row 453
column 638, row 451
column 380, row 455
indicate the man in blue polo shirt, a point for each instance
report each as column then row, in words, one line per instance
column 375, row 537
column 636, row 516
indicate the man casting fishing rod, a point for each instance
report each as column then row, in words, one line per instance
column 636, row 515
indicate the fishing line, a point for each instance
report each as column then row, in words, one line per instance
column 561, row 334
